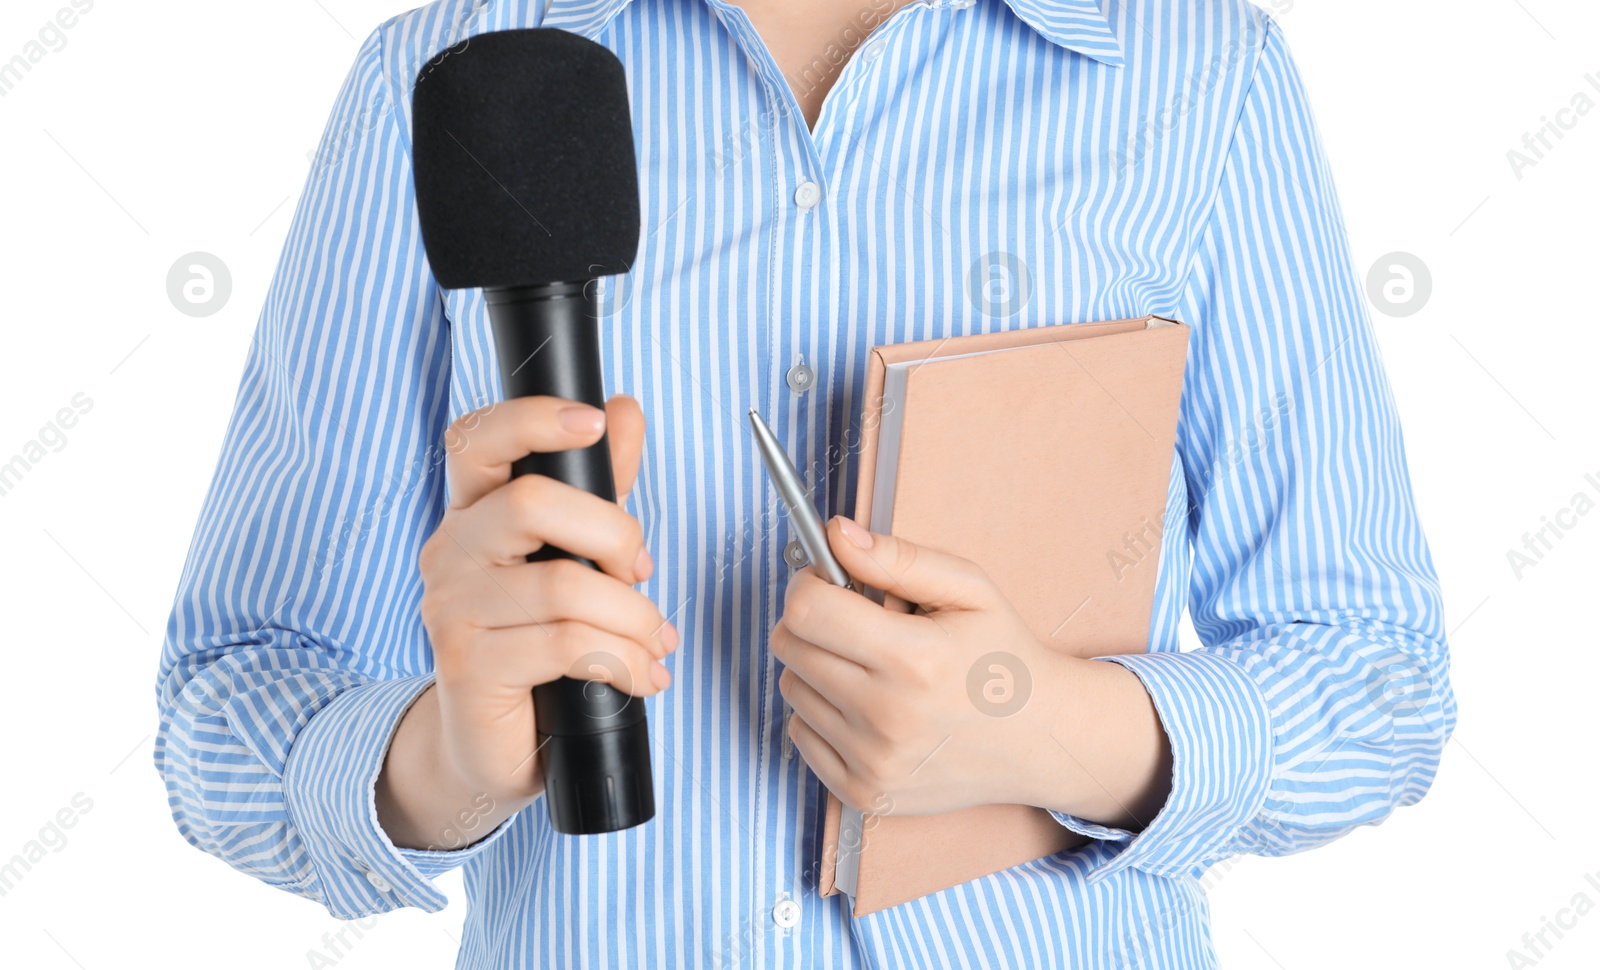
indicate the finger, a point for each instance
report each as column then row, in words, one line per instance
column 625, row 432
column 528, row 512
column 481, row 445
column 842, row 621
column 820, row 713
column 840, row 680
column 527, row 656
column 824, row 762
column 562, row 589
column 917, row 574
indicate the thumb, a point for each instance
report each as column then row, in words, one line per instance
column 931, row 578
column 625, row 427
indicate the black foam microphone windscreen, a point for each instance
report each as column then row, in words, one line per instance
column 523, row 160
column 524, row 168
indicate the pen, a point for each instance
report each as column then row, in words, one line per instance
column 807, row 523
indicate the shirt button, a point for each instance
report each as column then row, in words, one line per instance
column 873, row 51
column 795, row 554
column 807, row 195
column 786, row 913
column 800, row 377
column 378, row 882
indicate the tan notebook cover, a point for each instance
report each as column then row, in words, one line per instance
column 1067, row 444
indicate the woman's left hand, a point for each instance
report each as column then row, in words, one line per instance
column 957, row 704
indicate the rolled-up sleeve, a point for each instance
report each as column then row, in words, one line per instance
column 1320, row 698
column 295, row 645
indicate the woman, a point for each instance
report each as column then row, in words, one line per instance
column 345, row 684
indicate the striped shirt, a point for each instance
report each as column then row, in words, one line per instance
column 979, row 165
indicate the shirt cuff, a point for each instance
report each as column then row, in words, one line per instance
column 1220, row 728
column 329, row 786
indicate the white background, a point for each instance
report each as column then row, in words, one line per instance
column 163, row 128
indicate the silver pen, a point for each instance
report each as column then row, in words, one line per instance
column 815, row 540
column 807, row 523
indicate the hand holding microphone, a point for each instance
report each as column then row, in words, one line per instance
column 501, row 626
column 526, row 185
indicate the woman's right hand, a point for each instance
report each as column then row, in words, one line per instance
column 465, row 756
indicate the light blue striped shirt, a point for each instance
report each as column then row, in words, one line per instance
column 1144, row 157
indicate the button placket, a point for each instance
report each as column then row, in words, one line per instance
column 796, row 190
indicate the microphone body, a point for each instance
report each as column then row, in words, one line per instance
column 593, row 739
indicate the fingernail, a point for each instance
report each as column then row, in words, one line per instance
column 660, row 676
column 581, row 419
column 858, row 535
column 643, row 565
column 669, row 636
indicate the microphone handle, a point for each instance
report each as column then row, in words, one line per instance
column 594, row 740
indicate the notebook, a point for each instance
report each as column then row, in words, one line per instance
column 1043, row 454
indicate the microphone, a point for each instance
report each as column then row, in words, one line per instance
column 527, row 188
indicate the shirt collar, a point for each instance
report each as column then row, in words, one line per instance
column 1077, row 25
